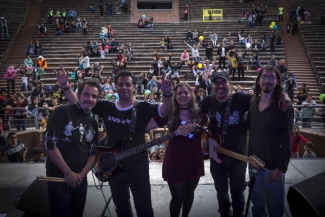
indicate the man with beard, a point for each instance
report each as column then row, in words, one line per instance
column 226, row 115
column 125, row 123
column 72, row 154
column 270, row 130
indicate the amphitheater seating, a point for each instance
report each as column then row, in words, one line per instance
column 16, row 16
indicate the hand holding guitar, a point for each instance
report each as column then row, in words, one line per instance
column 108, row 158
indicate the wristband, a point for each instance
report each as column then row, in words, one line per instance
column 170, row 94
column 66, row 88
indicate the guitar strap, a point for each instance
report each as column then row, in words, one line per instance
column 134, row 119
column 226, row 120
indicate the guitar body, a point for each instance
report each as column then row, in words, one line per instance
column 208, row 142
column 106, row 163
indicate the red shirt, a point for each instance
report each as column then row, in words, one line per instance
column 295, row 144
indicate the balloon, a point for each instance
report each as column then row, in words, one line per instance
column 147, row 92
column 116, row 96
column 273, row 23
column 275, row 27
column 108, row 96
column 199, row 65
column 322, row 97
column 271, row 27
column 201, row 38
column 144, row 16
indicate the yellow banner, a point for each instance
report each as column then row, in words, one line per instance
column 212, row 15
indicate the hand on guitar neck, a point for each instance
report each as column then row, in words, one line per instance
column 108, row 158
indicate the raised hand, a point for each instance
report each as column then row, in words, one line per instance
column 165, row 85
column 62, row 76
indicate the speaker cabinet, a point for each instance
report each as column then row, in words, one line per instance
column 307, row 198
column 35, row 201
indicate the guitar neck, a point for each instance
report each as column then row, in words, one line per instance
column 145, row 146
column 231, row 154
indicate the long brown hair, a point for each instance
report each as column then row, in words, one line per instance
column 192, row 107
column 278, row 88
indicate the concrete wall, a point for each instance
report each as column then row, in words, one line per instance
column 31, row 139
column 159, row 15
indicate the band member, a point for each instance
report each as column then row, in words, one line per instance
column 270, row 139
column 71, row 141
column 232, row 129
column 117, row 116
column 183, row 163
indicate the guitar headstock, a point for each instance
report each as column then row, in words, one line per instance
column 184, row 130
column 256, row 162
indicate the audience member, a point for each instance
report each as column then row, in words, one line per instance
column 43, row 124
column 14, row 151
column 306, row 113
column 38, row 154
column 303, row 93
column 10, row 77
column 308, row 150
column 296, row 138
column 4, row 26
column 2, row 135
column 42, row 29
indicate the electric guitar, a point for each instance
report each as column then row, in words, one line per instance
column 108, row 158
column 210, row 145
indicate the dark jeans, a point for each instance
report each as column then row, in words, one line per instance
column 137, row 179
column 12, row 83
column 66, row 201
column 234, row 171
column 223, row 60
column 182, row 197
column 241, row 71
column 20, row 124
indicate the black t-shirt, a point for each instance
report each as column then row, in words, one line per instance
column 14, row 153
column 236, row 132
column 75, row 134
column 117, row 124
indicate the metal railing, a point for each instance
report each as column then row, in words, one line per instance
column 32, row 123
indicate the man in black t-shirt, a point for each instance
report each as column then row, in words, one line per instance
column 117, row 116
column 71, row 141
column 15, row 151
column 234, row 140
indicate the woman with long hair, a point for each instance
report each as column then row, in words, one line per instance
column 183, row 163
column 296, row 138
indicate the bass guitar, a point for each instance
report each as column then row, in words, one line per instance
column 108, row 158
column 210, row 145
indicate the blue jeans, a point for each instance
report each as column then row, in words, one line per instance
column 268, row 197
column 137, row 179
column 20, row 124
column 196, row 59
column 234, row 171
column 66, row 201
column 110, row 11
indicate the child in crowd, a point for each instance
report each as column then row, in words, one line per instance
column 24, row 81
column 296, row 138
column 263, row 46
column 38, row 153
column 43, row 124
column 162, row 44
column 308, row 150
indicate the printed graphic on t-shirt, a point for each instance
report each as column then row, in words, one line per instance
column 15, row 149
column 118, row 120
column 86, row 135
column 233, row 118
